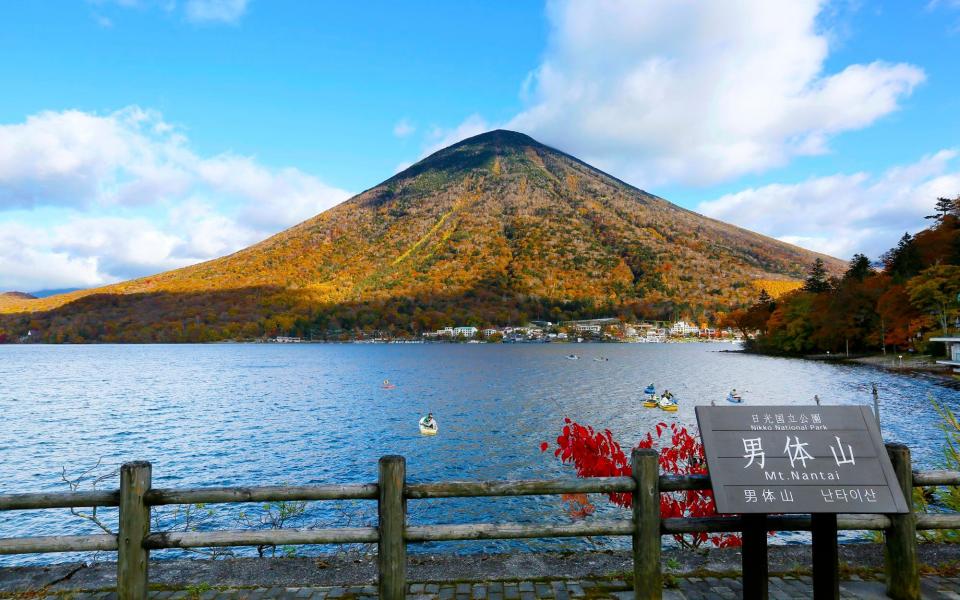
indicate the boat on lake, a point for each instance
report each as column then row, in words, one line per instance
column 428, row 425
column 667, row 404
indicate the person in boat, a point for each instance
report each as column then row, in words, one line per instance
column 668, row 395
column 428, row 421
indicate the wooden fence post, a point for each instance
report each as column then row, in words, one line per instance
column 392, row 549
column 647, row 579
column 900, row 550
column 132, row 556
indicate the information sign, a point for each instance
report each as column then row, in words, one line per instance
column 792, row 459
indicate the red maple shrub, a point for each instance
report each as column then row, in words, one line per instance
column 596, row 454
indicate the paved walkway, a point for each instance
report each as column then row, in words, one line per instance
column 687, row 588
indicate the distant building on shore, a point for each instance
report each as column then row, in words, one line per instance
column 682, row 328
column 953, row 352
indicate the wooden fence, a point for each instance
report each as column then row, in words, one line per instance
column 136, row 497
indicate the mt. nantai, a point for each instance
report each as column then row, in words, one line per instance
column 496, row 229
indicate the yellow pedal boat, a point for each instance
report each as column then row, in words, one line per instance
column 667, row 405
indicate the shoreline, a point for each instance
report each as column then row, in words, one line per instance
column 895, row 363
column 385, row 342
column 917, row 365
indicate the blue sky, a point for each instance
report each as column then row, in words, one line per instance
column 141, row 135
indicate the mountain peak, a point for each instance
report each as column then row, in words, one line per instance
column 477, row 152
column 18, row 295
column 501, row 138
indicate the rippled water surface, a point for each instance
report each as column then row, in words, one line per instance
column 233, row 414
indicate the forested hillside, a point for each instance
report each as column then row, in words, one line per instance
column 912, row 296
column 496, row 229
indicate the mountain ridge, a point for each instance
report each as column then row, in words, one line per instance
column 495, row 215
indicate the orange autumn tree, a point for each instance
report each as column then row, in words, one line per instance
column 597, row 454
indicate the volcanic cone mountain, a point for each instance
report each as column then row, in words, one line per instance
column 495, row 229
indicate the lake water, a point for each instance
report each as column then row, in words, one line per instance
column 231, row 414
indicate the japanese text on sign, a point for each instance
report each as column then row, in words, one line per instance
column 785, row 459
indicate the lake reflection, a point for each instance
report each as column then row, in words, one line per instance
column 267, row 414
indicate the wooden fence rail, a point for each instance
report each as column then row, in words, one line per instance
column 136, row 497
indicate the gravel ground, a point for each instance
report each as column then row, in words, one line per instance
column 360, row 571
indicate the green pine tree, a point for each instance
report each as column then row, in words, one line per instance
column 944, row 207
column 859, row 268
column 903, row 262
column 816, row 281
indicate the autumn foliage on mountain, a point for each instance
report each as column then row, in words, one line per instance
column 914, row 295
column 494, row 230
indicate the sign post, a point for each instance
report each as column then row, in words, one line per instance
column 826, row 580
column 754, row 556
column 820, row 460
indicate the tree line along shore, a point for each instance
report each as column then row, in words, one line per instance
column 896, row 305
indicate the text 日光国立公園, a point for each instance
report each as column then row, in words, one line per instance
column 788, row 428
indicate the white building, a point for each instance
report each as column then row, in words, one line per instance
column 684, row 328
column 489, row 332
column 655, row 335
column 953, row 352
column 465, row 331
column 446, row 331
column 584, row 328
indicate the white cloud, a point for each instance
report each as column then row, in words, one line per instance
column 947, row 5
column 844, row 214
column 87, row 251
column 698, row 92
column 27, row 263
column 440, row 138
column 121, row 247
column 133, row 198
column 277, row 198
column 403, row 128
column 132, row 157
column 934, row 4
column 194, row 11
column 215, row 11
